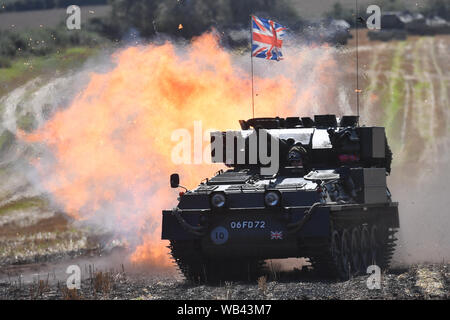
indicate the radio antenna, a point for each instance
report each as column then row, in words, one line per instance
column 251, row 62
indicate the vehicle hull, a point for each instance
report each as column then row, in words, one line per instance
column 263, row 233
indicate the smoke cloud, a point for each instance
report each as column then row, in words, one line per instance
column 424, row 213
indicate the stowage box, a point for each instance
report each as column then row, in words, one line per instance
column 370, row 184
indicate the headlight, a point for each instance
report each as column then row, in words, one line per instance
column 272, row 198
column 218, row 200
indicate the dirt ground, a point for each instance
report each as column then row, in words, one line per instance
column 415, row 282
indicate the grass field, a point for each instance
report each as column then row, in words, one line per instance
column 29, row 67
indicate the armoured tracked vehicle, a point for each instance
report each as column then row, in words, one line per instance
column 327, row 200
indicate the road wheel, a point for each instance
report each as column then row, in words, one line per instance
column 375, row 246
column 356, row 250
column 336, row 254
column 346, row 254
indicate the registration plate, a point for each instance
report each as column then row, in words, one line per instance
column 248, row 224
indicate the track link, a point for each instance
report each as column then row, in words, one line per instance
column 351, row 248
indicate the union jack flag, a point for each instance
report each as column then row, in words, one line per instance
column 276, row 235
column 267, row 39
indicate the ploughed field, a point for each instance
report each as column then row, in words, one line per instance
column 406, row 88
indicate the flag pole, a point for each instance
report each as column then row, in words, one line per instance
column 251, row 60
